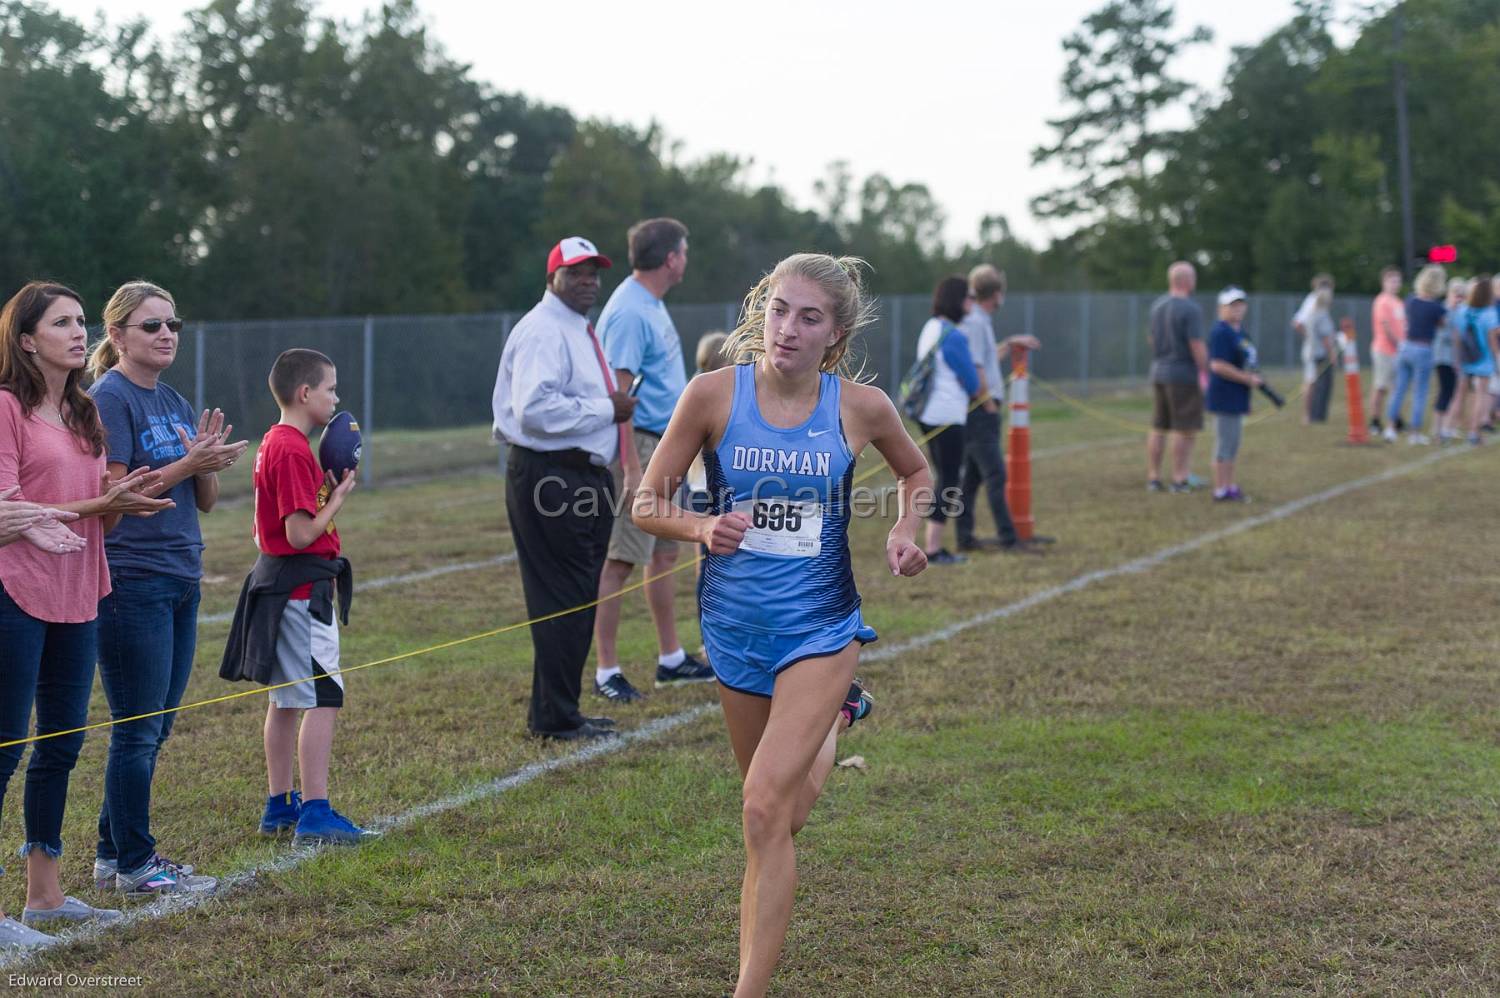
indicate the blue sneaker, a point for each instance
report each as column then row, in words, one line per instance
column 321, row 824
column 857, row 704
column 281, row 814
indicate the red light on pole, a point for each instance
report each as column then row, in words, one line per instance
column 1443, row 254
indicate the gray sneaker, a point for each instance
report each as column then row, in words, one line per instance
column 105, row 870
column 15, row 937
column 160, row 877
column 71, row 911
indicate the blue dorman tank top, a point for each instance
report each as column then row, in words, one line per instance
column 792, row 571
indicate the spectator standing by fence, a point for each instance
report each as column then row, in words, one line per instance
column 1314, row 323
column 1387, row 333
column 1232, row 363
column 984, row 462
column 639, row 339
column 1179, row 357
column 1445, row 363
column 557, row 405
column 1424, row 313
column 148, row 624
column 1478, row 325
column 956, row 383
column 52, row 450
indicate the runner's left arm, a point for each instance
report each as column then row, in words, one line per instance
column 881, row 424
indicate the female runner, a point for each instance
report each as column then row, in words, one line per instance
column 780, row 612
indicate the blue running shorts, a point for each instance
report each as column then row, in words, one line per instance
column 749, row 661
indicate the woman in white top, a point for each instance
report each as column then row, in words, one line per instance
column 955, row 383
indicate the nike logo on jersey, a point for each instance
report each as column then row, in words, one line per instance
column 817, row 433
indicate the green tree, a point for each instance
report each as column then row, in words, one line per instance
column 1118, row 81
column 96, row 184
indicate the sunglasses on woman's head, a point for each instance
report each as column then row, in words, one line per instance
column 154, row 325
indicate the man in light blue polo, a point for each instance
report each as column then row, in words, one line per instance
column 640, row 339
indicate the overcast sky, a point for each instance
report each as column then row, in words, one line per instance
column 950, row 93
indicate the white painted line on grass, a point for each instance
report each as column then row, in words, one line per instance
column 655, row 729
column 1150, row 561
column 294, row 858
column 395, row 580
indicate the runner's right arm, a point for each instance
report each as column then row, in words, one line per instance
column 695, row 421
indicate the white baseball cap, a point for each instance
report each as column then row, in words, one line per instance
column 574, row 249
column 1232, row 294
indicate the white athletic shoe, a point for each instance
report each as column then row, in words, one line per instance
column 1389, row 434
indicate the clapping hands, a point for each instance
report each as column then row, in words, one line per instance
column 132, row 494
column 41, row 526
column 210, row 451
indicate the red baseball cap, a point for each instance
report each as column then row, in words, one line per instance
column 574, row 249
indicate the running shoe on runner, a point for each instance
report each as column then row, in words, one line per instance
column 857, row 704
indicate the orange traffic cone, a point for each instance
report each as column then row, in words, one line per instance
column 1018, row 449
column 1358, row 434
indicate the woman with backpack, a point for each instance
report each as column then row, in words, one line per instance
column 955, row 383
column 1477, row 347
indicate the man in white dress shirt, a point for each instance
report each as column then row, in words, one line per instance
column 558, row 407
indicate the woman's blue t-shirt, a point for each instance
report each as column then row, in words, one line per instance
column 1234, row 348
column 1422, row 319
column 140, row 429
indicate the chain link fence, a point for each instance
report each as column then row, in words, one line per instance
column 407, row 377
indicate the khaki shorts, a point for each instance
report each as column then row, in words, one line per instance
column 627, row 542
column 1177, row 408
column 1385, row 370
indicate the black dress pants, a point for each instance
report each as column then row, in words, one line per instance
column 560, row 517
column 984, row 465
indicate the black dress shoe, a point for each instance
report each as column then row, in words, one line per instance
column 583, row 732
column 599, row 722
column 1041, row 539
column 981, row 544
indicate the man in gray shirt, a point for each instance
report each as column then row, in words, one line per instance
column 1178, row 360
column 984, row 464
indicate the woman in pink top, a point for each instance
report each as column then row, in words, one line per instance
column 52, row 454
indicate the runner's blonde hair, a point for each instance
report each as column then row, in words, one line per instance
column 840, row 278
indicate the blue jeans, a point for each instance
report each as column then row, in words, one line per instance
column 1413, row 363
column 51, row 666
column 148, row 632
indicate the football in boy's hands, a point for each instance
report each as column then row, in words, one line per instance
column 338, row 450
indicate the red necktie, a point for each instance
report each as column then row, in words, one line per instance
column 609, row 386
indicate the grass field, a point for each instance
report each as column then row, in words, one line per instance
column 1267, row 763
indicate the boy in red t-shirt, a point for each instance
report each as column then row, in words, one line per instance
column 295, row 504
